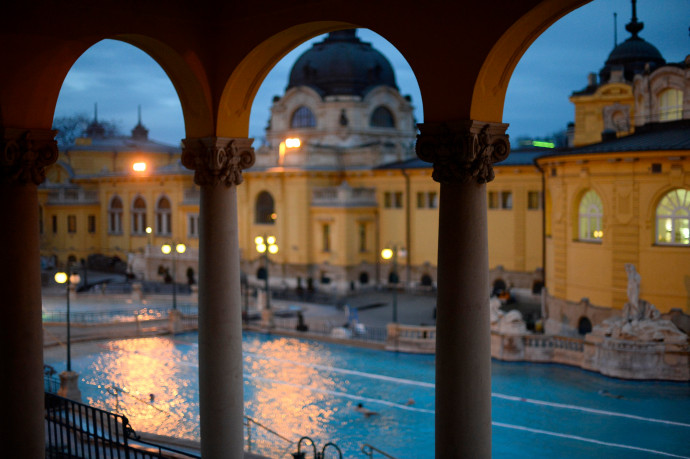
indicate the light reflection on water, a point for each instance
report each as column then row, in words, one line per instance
column 298, row 387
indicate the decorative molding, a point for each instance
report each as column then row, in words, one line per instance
column 464, row 150
column 25, row 153
column 218, row 160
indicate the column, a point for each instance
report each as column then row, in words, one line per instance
column 218, row 164
column 462, row 154
column 24, row 154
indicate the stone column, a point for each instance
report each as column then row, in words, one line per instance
column 462, row 154
column 24, row 154
column 218, row 164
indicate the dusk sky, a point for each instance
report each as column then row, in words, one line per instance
column 120, row 77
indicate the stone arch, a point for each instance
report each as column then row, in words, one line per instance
column 490, row 88
column 584, row 325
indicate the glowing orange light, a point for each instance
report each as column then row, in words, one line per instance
column 139, row 167
column 293, row 143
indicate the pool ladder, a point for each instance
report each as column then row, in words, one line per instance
column 369, row 450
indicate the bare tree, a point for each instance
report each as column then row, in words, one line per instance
column 71, row 127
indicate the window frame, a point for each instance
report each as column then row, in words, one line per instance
column 115, row 216
column 590, row 209
column 675, row 204
column 163, row 217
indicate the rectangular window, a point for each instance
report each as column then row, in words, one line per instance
column 193, row 225
column 398, row 200
column 326, row 238
column 71, row 223
column 92, row 224
column 387, row 199
column 493, row 200
column 506, row 200
column 433, row 200
column 362, row 237
column 533, row 200
column 54, row 222
column 421, row 200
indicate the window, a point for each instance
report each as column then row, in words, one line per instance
column 670, row 105
column 193, row 225
column 433, row 200
column 71, row 223
column 493, row 200
column 91, row 224
column 533, row 200
column 139, row 216
column 673, row 218
column 382, row 117
column 506, row 200
column 387, row 199
column 115, row 216
column 54, row 222
column 264, row 211
column 362, row 237
column 326, row 238
column 427, row 200
column 303, row 118
column 398, row 199
column 590, row 215
column 421, row 200
column 163, row 217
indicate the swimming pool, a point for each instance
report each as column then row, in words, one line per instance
column 301, row 387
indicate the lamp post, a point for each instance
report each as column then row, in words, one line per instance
column 149, row 230
column 168, row 249
column 69, row 279
column 266, row 245
column 392, row 254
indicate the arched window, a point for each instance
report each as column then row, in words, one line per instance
column 590, row 216
column 303, row 117
column 264, row 211
column 138, row 215
column 382, row 117
column 673, row 218
column 115, row 215
column 163, row 217
column 670, row 105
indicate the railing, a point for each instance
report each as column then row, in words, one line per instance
column 119, row 315
column 369, row 450
column 77, row 430
column 72, row 195
column 249, row 421
column 51, row 384
column 327, row 327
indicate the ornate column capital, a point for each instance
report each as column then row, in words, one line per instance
column 218, row 160
column 25, row 153
column 463, row 150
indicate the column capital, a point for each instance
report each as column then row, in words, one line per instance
column 25, row 153
column 463, row 150
column 218, row 160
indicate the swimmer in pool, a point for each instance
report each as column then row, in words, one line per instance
column 366, row 412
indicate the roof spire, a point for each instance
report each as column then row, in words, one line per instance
column 634, row 27
column 140, row 132
column 615, row 29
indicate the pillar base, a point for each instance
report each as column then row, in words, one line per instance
column 69, row 386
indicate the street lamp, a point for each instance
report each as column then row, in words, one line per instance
column 392, row 254
column 68, row 278
column 168, row 249
column 149, row 230
column 266, row 245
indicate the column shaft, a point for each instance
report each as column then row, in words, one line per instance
column 463, row 352
column 221, row 399
column 21, row 333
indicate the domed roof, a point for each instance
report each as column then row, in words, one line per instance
column 633, row 54
column 342, row 64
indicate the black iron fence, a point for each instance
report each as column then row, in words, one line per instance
column 77, row 430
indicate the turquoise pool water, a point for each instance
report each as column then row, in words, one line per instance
column 300, row 387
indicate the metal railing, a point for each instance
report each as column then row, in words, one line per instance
column 369, row 450
column 286, row 441
column 77, row 430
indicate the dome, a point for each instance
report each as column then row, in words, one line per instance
column 342, row 64
column 632, row 56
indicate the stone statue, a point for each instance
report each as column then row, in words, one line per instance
column 632, row 307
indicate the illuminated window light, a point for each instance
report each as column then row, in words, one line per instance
column 292, row 143
column 539, row 143
column 139, row 167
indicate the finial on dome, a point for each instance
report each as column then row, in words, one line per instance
column 634, row 27
column 140, row 132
